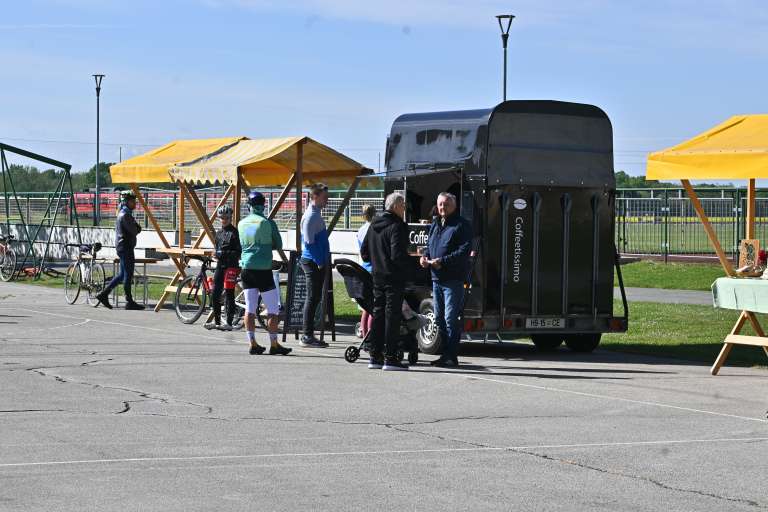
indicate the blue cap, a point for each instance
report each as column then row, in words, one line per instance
column 256, row 198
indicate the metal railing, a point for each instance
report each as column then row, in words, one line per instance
column 659, row 222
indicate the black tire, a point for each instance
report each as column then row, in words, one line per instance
column 96, row 285
column 190, row 300
column 547, row 342
column 351, row 354
column 8, row 265
column 413, row 357
column 583, row 342
column 428, row 337
column 72, row 281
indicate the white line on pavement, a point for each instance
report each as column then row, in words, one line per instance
column 195, row 458
column 616, row 398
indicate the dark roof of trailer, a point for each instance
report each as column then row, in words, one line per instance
column 480, row 115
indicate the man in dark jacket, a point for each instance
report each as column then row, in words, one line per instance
column 227, row 269
column 447, row 254
column 126, row 230
column 386, row 248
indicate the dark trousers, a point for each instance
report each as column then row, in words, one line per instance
column 229, row 295
column 314, row 276
column 125, row 275
column 387, row 316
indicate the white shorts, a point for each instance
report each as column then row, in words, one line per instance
column 270, row 299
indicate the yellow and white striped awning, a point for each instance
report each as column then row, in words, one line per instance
column 269, row 162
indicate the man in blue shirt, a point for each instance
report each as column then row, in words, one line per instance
column 315, row 256
column 450, row 240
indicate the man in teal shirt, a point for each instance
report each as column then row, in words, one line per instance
column 259, row 236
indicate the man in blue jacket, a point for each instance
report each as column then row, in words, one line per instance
column 447, row 255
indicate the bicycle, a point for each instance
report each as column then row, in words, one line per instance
column 85, row 273
column 192, row 293
column 7, row 258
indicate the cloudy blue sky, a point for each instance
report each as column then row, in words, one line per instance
column 341, row 70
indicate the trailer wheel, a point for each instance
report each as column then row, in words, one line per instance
column 428, row 336
column 547, row 342
column 583, row 342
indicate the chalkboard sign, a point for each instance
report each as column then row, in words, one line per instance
column 297, row 295
column 418, row 237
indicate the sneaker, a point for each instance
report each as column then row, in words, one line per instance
column 279, row 350
column 224, row 327
column 312, row 342
column 393, row 365
column 257, row 350
column 103, row 299
column 133, row 306
column 211, row 325
column 375, row 363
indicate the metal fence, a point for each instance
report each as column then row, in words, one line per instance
column 658, row 222
column 165, row 208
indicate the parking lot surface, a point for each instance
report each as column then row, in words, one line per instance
column 118, row 410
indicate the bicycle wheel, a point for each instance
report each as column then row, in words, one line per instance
column 261, row 310
column 8, row 265
column 239, row 305
column 96, row 283
column 190, row 300
column 72, row 283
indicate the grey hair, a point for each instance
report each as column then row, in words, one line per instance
column 393, row 199
column 447, row 195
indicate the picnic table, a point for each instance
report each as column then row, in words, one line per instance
column 139, row 261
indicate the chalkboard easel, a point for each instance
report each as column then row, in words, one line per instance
column 296, row 296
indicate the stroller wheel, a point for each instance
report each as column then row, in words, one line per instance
column 351, row 354
column 359, row 330
column 413, row 357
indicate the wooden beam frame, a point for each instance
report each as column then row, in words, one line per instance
column 282, row 197
column 733, row 338
column 299, row 189
column 155, row 224
column 182, row 228
column 199, row 211
column 181, row 273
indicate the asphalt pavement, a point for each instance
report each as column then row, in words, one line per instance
column 121, row 410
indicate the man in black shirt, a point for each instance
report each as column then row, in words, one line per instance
column 386, row 247
column 126, row 230
column 228, row 257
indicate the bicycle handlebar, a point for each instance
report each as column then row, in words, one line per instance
column 7, row 238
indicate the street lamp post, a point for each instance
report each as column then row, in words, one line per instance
column 96, row 203
column 505, row 18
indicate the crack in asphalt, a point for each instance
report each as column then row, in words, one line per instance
column 143, row 394
column 650, row 480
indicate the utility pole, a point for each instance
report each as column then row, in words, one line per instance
column 97, row 202
column 505, row 18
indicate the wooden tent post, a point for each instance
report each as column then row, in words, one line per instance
column 299, row 187
column 182, row 231
column 344, row 203
column 724, row 261
column 238, row 198
column 155, row 224
column 199, row 210
column 180, row 274
column 281, row 198
column 750, row 209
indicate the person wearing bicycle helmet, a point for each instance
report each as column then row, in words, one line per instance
column 126, row 230
column 259, row 236
column 227, row 270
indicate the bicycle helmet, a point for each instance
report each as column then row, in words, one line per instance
column 127, row 195
column 256, row 198
column 224, row 211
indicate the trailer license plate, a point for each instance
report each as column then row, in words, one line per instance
column 545, row 323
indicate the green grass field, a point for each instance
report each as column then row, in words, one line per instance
column 670, row 276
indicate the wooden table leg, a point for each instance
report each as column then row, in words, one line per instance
column 726, row 350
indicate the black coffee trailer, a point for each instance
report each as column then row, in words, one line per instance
column 535, row 178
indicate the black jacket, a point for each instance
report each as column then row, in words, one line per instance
column 228, row 247
column 386, row 248
column 126, row 229
column 451, row 242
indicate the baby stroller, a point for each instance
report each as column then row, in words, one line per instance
column 359, row 285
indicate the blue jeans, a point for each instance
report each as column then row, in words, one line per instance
column 448, row 298
column 125, row 275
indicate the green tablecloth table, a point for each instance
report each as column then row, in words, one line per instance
column 748, row 295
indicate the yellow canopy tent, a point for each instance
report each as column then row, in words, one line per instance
column 735, row 149
column 240, row 163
